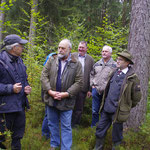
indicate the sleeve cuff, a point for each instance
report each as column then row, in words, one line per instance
column 10, row 88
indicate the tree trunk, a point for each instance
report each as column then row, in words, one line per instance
column 1, row 19
column 32, row 32
column 139, row 46
column 124, row 11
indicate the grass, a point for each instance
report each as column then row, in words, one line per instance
column 83, row 135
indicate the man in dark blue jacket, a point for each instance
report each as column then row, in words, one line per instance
column 14, row 89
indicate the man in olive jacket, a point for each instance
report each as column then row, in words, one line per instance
column 121, row 94
column 61, row 80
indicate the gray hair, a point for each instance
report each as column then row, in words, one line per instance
column 83, row 42
column 108, row 48
column 68, row 41
column 9, row 47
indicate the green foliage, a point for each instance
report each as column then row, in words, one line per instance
column 5, row 6
column 109, row 34
column 78, row 20
column 34, row 74
column 74, row 30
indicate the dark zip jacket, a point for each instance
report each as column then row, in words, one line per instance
column 10, row 101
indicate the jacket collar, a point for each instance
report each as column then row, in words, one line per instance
column 12, row 58
column 130, row 72
column 8, row 66
column 110, row 61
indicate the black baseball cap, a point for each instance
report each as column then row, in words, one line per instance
column 13, row 38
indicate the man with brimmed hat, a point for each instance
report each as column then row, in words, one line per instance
column 14, row 89
column 121, row 94
column 126, row 55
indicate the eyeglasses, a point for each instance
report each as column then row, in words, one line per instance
column 20, row 45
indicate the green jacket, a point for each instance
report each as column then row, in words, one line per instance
column 71, row 82
column 130, row 95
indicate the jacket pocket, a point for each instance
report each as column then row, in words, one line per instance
column 123, row 114
column 2, row 101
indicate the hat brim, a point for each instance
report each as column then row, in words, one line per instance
column 131, row 62
column 23, row 41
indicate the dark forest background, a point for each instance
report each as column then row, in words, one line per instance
column 45, row 23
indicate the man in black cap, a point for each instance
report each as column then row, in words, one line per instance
column 121, row 94
column 14, row 89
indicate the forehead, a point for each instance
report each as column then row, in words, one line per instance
column 63, row 44
column 82, row 45
column 121, row 58
column 105, row 49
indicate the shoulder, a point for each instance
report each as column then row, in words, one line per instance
column 74, row 53
column 74, row 57
column 3, row 54
column 111, row 61
column 3, row 57
column 89, row 57
column 98, row 63
column 131, row 75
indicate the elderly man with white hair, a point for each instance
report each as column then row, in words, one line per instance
column 61, row 80
column 98, row 79
column 14, row 89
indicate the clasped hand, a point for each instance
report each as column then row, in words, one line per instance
column 58, row 95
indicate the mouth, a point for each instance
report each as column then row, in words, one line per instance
column 80, row 51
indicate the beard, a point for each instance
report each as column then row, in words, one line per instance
column 63, row 56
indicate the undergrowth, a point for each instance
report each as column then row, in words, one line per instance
column 83, row 135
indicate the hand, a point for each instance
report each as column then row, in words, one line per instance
column 27, row 89
column 89, row 94
column 52, row 93
column 61, row 95
column 17, row 87
column 58, row 95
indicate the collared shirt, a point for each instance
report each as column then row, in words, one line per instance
column 64, row 62
column 82, row 61
column 125, row 70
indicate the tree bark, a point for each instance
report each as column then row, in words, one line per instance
column 32, row 32
column 1, row 19
column 124, row 11
column 139, row 46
